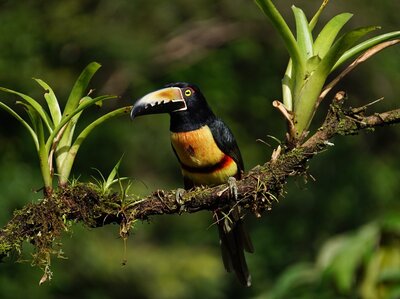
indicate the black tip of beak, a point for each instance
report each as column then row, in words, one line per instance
column 136, row 111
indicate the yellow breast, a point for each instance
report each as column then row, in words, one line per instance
column 196, row 148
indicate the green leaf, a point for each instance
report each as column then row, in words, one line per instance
column 343, row 44
column 293, row 82
column 287, row 87
column 37, row 124
column 23, row 122
column 113, row 174
column 349, row 257
column 307, row 95
column 72, row 123
column 312, row 64
column 43, row 155
column 32, row 114
column 66, row 119
column 45, row 117
column 315, row 18
column 80, row 87
column 328, row 34
column 71, row 153
column 304, row 37
column 293, row 279
column 52, row 101
column 75, row 97
column 364, row 46
column 283, row 29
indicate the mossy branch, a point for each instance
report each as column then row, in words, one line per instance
column 43, row 222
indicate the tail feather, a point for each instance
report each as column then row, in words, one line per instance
column 234, row 240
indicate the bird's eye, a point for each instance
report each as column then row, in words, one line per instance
column 188, row 92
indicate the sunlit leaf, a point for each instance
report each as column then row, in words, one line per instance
column 315, row 18
column 287, row 87
column 67, row 118
column 80, row 86
column 37, row 124
column 113, row 174
column 364, row 46
column 74, row 99
column 72, row 152
column 43, row 155
column 304, row 37
column 52, row 101
column 283, row 29
column 343, row 44
column 306, row 94
column 312, row 64
column 328, row 34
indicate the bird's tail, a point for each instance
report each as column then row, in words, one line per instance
column 234, row 240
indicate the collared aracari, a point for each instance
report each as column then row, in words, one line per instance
column 208, row 155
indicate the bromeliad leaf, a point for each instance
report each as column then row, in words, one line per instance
column 312, row 64
column 343, row 44
column 304, row 37
column 77, row 93
column 113, row 173
column 43, row 114
column 23, row 122
column 52, row 101
column 104, row 184
column 37, row 124
column 32, row 114
column 315, row 18
column 328, row 34
column 283, row 29
column 80, row 86
column 66, row 119
column 72, row 152
column 364, row 46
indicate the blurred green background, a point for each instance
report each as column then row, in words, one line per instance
column 229, row 49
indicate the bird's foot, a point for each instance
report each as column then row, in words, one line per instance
column 179, row 200
column 233, row 189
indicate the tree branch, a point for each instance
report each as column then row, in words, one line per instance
column 41, row 223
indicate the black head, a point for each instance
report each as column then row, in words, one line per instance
column 183, row 101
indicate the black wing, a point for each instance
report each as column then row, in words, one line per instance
column 226, row 141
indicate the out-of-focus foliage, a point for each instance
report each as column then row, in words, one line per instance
column 363, row 264
column 230, row 50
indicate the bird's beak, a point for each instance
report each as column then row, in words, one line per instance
column 165, row 100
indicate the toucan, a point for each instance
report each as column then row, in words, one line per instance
column 208, row 155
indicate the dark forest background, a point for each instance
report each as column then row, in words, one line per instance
column 230, row 50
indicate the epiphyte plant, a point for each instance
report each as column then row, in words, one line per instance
column 52, row 130
column 312, row 60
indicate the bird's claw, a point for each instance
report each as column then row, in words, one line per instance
column 178, row 198
column 233, row 189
